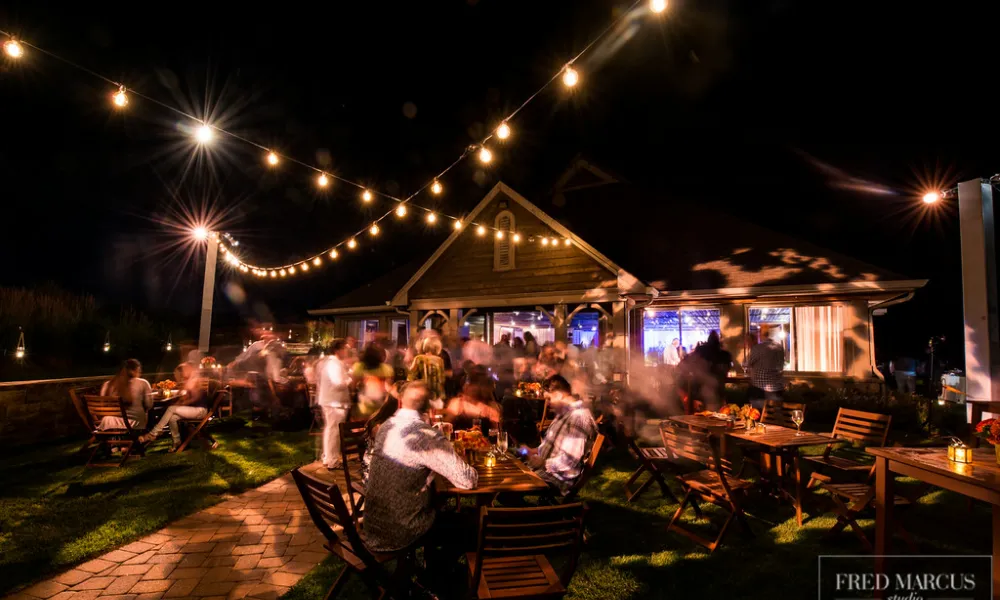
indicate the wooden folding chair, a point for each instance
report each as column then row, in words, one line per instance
column 326, row 506
column 76, row 395
column 123, row 437
column 863, row 429
column 714, row 483
column 650, row 461
column 196, row 427
column 353, row 445
column 512, row 555
column 588, row 471
column 850, row 499
column 778, row 412
column 544, row 421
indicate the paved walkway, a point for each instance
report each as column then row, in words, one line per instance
column 255, row 545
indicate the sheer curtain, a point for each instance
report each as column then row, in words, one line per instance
column 819, row 339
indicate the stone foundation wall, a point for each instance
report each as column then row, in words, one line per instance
column 37, row 411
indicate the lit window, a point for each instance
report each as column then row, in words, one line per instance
column 671, row 334
column 813, row 336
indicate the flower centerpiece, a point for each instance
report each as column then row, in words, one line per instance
column 208, row 362
column 750, row 415
column 989, row 430
column 732, row 411
column 527, row 389
column 468, row 442
column 166, row 387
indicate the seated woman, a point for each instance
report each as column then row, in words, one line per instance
column 134, row 391
column 194, row 405
column 475, row 402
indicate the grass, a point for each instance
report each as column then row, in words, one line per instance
column 631, row 555
column 54, row 513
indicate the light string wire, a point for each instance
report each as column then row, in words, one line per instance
column 351, row 242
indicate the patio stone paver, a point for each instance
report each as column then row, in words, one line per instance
column 255, row 545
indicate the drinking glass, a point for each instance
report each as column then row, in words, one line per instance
column 494, row 430
column 477, row 423
column 502, row 442
column 797, row 418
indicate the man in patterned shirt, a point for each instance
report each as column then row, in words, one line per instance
column 408, row 452
column 767, row 367
column 559, row 459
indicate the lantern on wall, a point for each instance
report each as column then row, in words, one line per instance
column 107, row 342
column 20, row 350
column 170, row 343
column 959, row 452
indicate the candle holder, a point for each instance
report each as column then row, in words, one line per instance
column 959, row 452
column 490, row 460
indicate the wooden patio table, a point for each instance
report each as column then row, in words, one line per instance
column 979, row 480
column 780, row 442
column 509, row 475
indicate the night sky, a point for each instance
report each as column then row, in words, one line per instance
column 821, row 120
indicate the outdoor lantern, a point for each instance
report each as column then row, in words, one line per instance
column 107, row 342
column 959, row 452
column 170, row 344
column 19, row 350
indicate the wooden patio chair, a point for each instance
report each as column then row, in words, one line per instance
column 713, row 483
column 863, row 429
column 196, row 427
column 326, row 506
column 76, row 395
column 512, row 555
column 778, row 412
column 123, row 437
column 850, row 499
column 588, row 471
column 544, row 421
column 353, row 444
column 651, row 460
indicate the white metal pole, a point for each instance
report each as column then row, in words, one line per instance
column 208, row 294
column 979, row 291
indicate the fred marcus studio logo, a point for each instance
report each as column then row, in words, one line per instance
column 904, row 577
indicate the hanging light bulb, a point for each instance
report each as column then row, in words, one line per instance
column 107, row 342
column 282, row 272
column 458, row 223
column 566, row 242
column 366, row 196
column 291, row 270
column 570, row 77
column 658, row 6
column 432, row 218
column 374, row 229
column 485, row 156
column 13, row 48
column 304, row 266
column 517, row 237
column 401, row 210
column 436, row 188
column 499, row 235
column 244, row 268
column 323, row 180
column 120, row 98
column 352, row 243
column 334, row 254
column 545, row 241
column 931, row 197
column 503, row 132
column 203, row 134
column 274, row 274
column 480, row 230
column 272, row 159
column 317, row 261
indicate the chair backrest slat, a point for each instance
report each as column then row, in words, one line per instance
column 779, row 413
column 99, row 407
column 352, row 440
column 588, row 468
column 866, row 428
column 682, row 443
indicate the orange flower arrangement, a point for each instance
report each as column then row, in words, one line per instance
column 730, row 410
column 750, row 413
column 166, row 384
column 472, row 439
column 208, row 362
column 989, row 430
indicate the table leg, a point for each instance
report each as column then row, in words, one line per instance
column 884, row 495
column 796, row 465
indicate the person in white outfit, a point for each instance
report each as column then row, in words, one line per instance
column 333, row 396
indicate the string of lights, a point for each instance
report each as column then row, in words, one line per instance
column 204, row 133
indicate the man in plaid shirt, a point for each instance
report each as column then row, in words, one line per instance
column 559, row 459
column 767, row 367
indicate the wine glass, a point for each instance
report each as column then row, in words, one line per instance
column 797, row 418
column 502, row 442
column 494, row 430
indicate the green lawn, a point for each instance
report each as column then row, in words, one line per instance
column 54, row 513
column 631, row 555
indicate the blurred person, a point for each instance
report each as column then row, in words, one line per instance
column 766, row 365
column 560, row 458
column 672, row 353
column 475, row 402
column 373, row 378
column 547, row 364
column 518, row 347
column 134, row 391
column 189, row 406
column 407, row 453
column 530, row 345
column 428, row 366
column 334, row 398
column 904, row 371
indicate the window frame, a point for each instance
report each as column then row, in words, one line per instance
column 793, row 327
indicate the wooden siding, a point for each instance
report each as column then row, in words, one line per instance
column 467, row 267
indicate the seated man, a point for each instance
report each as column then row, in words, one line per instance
column 559, row 459
column 408, row 452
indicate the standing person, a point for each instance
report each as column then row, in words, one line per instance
column 530, row 345
column 373, row 378
column 334, row 398
column 428, row 366
column 767, row 368
column 134, row 391
column 408, row 451
column 904, row 370
column 672, row 353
